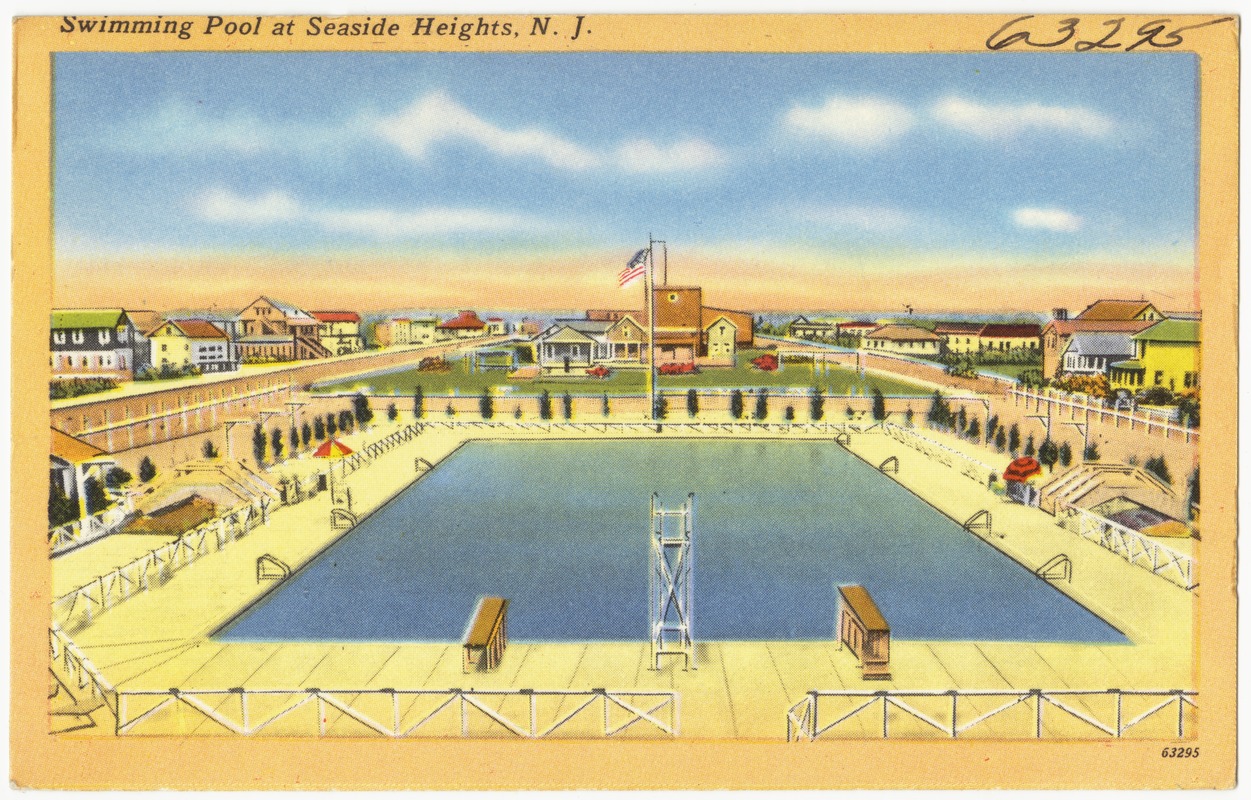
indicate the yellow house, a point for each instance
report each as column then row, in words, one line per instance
column 959, row 337
column 1166, row 354
column 720, row 335
column 182, row 343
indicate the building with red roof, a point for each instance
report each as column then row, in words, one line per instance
column 339, row 331
column 465, row 325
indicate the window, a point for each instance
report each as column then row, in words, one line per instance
column 58, row 337
column 121, row 335
column 78, row 337
column 103, row 336
column 1159, row 377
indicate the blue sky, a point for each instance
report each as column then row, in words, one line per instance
column 838, row 167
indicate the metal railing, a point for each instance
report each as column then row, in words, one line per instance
column 953, row 713
column 76, row 668
column 735, row 426
column 966, row 465
column 82, row 605
column 1129, row 544
column 87, row 529
column 348, row 464
column 396, row 713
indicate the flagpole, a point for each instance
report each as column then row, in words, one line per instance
column 650, row 284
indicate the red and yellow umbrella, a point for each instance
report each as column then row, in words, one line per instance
column 1022, row 469
column 332, row 449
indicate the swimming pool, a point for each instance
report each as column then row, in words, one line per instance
column 561, row 528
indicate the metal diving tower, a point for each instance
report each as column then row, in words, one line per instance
column 669, row 581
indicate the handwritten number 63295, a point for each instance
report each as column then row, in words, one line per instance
column 1157, row 33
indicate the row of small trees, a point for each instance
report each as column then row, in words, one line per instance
column 273, row 445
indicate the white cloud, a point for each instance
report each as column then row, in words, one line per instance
column 179, row 127
column 275, row 207
column 641, row 155
column 863, row 122
column 869, row 219
column 1008, row 121
column 438, row 118
column 1051, row 219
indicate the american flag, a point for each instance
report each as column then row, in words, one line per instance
column 634, row 270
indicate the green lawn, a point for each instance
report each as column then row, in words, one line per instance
column 835, row 381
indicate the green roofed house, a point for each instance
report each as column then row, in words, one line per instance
column 96, row 342
column 1166, row 354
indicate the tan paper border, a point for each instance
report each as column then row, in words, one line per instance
column 39, row 759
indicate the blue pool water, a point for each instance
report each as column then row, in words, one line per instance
column 561, row 528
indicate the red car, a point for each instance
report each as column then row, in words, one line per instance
column 767, row 362
column 599, row 371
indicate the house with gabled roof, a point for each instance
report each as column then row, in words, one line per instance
column 95, row 342
column 178, row 344
column 684, row 326
column 1121, row 310
column 273, row 330
column 1057, row 333
column 803, row 328
column 1166, row 354
column 572, row 346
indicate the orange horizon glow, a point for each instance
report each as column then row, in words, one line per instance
column 534, row 283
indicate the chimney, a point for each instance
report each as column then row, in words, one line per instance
column 1060, row 313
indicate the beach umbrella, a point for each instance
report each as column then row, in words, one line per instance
column 332, row 449
column 1022, row 469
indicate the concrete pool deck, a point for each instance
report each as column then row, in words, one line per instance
column 160, row 639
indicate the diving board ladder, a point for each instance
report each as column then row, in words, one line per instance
column 669, row 582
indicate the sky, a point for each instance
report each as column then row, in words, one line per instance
column 962, row 182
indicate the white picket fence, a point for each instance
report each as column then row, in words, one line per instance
column 82, row 605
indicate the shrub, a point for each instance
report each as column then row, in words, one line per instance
column 816, row 404
column 762, row 404
column 1091, row 453
column 275, row 440
column 346, row 420
column 661, row 407
column 1029, row 447
column 1048, row 454
column 974, row 431
column 306, row 434
column 909, row 416
column 604, row 408
column 75, row 387
column 790, row 413
column 208, row 450
column 486, row 404
column 849, row 412
column 419, row 403
column 294, row 439
column 1001, row 440
column 147, row 470
column 1065, row 454
column 393, row 413
column 992, row 425
column 1014, row 439
column 61, row 509
column 117, row 477
column 361, row 410
column 258, row 444
column 517, row 412
column 692, row 402
column 545, row 405
column 879, row 404
column 566, row 405
column 94, row 496
column 736, row 404
column 332, row 427
column 449, row 411
column 1157, row 467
